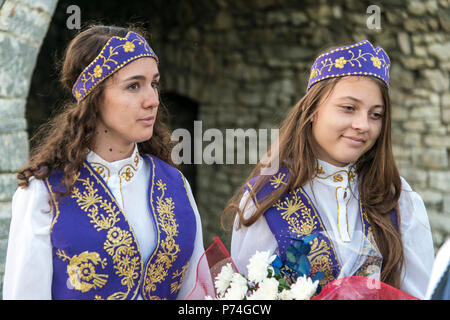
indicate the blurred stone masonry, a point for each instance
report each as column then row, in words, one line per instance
column 23, row 25
column 246, row 63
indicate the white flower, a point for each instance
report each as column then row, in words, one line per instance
column 304, row 288
column 238, row 280
column 223, row 279
column 268, row 290
column 285, row 295
column 238, row 288
column 258, row 265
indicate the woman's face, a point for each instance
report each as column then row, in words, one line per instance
column 349, row 121
column 130, row 104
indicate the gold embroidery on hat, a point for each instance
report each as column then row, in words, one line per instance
column 341, row 61
column 96, row 77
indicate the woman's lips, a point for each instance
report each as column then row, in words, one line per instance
column 148, row 121
column 354, row 140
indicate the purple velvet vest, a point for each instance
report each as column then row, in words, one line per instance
column 95, row 252
column 294, row 216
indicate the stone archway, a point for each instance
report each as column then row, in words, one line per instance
column 23, row 25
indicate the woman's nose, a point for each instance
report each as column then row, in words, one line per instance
column 151, row 98
column 361, row 122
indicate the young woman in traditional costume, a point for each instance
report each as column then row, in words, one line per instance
column 100, row 212
column 338, row 180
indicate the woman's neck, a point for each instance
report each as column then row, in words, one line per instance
column 112, row 153
column 110, row 149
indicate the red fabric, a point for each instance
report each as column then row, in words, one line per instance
column 361, row 288
column 209, row 266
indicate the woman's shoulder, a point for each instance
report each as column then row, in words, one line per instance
column 405, row 185
column 412, row 206
column 36, row 188
column 408, row 193
column 32, row 199
column 163, row 165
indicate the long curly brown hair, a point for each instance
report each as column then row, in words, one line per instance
column 64, row 141
column 379, row 179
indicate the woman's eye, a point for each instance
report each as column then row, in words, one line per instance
column 377, row 115
column 348, row 108
column 133, row 86
column 155, row 84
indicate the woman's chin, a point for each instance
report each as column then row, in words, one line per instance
column 144, row 136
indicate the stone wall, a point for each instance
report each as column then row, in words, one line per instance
column 23, row 25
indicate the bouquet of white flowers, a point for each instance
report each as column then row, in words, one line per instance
column 263, row 283
column 270, row 277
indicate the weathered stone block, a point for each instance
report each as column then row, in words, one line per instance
column 14, row 148
column 434, row 158
column 47, row 6
column 8, row 185
column 25, row 22
column 436, row 80
column 12, row 108
column 17, row 58
column 440, row 180
column 425, row 112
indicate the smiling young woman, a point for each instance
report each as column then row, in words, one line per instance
column 338, row 181
column 100, row 212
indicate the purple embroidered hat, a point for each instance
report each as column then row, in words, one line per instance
column 357, row 59
column 117, row 53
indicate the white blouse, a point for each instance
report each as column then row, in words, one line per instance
column 29, row 267
column 441, row 263
column 334, row 194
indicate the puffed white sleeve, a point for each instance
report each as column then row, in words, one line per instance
column 245, row 241
column 417, row 243
column 440, row 266
column 29, row 267
column 191, row 273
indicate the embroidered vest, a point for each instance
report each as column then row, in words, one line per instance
column 95, row 252
column 294, row 216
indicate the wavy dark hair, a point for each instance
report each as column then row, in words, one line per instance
column 378, row 179
column 64, row 141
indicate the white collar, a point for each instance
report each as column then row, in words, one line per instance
column 336, row 176
column 125, row 169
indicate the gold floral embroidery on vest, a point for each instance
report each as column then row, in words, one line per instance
column 176, row 285
column 277, row 180
column 289, row 212
column 337, row 178
column 81, row 270
column 320, row 260
column 119, row 243
column 168, row 249
column 89, row 201
column 102, row 170
column 304, row 225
